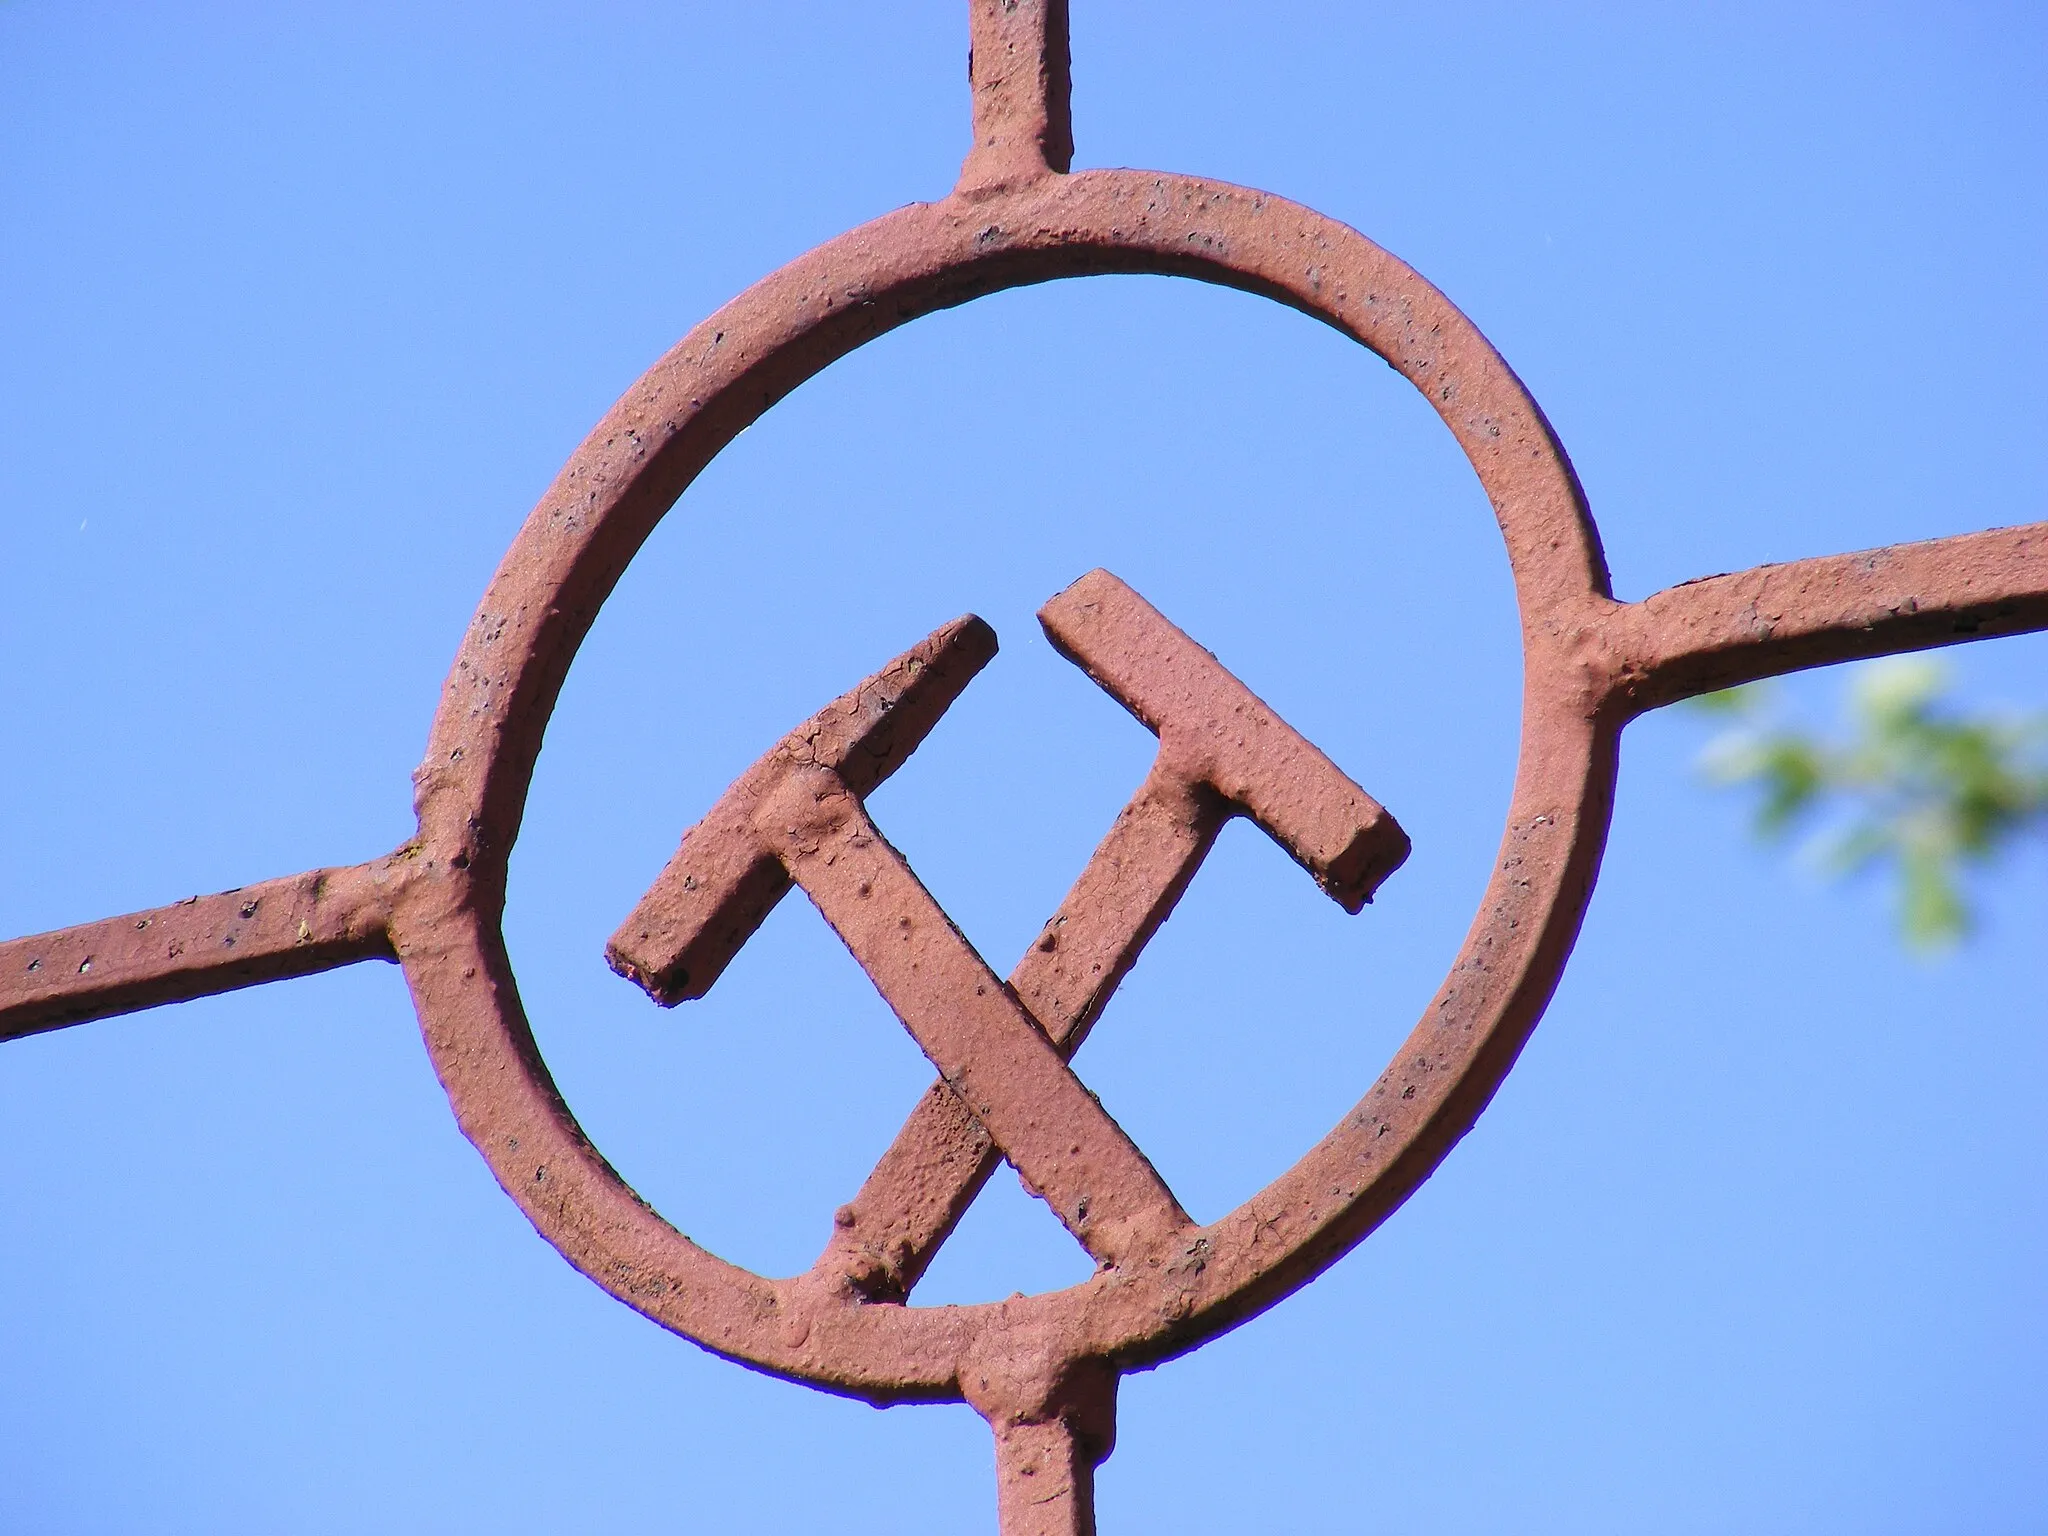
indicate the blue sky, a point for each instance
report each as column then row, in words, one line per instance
column 303, row 306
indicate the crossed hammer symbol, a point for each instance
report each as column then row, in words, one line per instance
column 1001, row 1049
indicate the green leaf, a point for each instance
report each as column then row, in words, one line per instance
column 1917, row 788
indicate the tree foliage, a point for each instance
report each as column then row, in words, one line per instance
column 1917, row 788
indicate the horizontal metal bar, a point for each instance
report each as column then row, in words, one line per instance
column 196, row 947
column 1727, row 630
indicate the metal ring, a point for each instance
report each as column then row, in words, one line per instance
column 625, row 477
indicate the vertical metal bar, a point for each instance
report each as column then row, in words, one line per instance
column 1057, row 1428
column 1045, row 1481
column 1020, row 70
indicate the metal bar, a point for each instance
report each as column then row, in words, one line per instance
column 1726, row 630
column 1020, row 70
column 196, row 947
column 1054, row 1422
column 883, row 1239
column 1045, row 1480
column 988, row 1049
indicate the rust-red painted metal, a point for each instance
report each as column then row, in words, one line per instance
column 1041, row 1369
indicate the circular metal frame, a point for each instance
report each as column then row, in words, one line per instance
column 624, row 478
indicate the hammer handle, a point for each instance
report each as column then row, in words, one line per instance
column 942, row 1157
